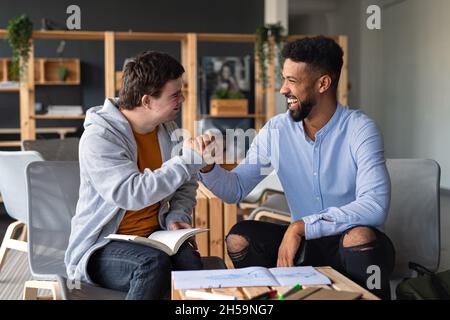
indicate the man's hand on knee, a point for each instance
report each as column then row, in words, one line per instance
column 358, row 236
column 290, row 244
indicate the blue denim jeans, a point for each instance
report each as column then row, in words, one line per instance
column 142, row 271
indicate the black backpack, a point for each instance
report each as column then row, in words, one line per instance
column 427, row 286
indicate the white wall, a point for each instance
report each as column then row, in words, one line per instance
column 400, row 75
column 413, row 94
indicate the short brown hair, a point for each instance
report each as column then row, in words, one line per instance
column 320, row 53
column 147, row 73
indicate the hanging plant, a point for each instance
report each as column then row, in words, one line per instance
column 19, row 34
column 264, row 51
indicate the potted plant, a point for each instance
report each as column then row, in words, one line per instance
column 19, row 32
column 269, row 40
column 228, row 102
column 63, row 72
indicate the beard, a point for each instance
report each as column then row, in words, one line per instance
column 302, row 111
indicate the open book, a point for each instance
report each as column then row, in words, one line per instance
column 167, row 241
column 248, row 277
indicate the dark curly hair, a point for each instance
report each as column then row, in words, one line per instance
column 147, row 73
column 320, row 53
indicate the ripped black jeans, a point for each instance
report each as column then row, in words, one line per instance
column 264, row 239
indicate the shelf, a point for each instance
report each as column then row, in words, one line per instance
column 50, row 68
column 59, row 130
column 10, row 143
column 56, row 116
column 10, row 89
column 233, row 116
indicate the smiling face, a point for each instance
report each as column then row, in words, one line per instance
column 167, row 106
column 298, row 88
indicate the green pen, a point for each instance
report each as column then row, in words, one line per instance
column 296, row 288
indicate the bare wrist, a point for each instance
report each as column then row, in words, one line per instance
column 298, row 227
column 208, row 168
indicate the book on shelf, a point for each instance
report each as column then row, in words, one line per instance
column 168, row 241
column 64, row 110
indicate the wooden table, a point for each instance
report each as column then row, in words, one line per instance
column 339, row 283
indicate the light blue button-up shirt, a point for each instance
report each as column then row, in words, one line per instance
column 336, row 182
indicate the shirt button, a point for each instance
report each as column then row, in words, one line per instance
column 315, row 173
column 317, row 198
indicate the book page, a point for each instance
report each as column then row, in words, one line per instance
column 306, row 276
column 174, row 238
column 244, row 277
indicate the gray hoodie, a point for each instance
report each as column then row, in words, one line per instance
column 111, row 183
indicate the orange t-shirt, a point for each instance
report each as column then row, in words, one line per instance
column 143, row 222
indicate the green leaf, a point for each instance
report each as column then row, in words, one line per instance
column 19, row 32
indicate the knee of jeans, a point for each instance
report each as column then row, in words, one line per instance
column 160, row 261
column 236, row 243
column 360, row 238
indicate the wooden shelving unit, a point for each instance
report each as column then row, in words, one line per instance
column 43, row 73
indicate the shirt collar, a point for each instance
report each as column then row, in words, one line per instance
column 328, row 126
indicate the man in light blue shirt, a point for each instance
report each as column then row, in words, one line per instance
column 330, row 162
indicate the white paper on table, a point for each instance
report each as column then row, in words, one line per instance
column 247, row 277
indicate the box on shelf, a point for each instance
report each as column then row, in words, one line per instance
column 224, row 107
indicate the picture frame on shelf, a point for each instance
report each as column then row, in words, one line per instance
column 227, row 77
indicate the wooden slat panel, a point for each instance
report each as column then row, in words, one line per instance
column 270, row 90
column 229, row 220
column 216, row 237
column 27, row 101
column 109, row 65
column 201, row 221
column 343, row 82
column 259, row 96
column 189, row 61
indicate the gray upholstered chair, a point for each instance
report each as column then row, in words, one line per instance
column 413, row 223
column 53, row 188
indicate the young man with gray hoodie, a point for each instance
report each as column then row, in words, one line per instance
column 130, row 184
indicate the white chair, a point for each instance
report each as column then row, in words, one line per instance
column 13, row 190
column 269, row 185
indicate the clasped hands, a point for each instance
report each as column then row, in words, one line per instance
column 208, row 146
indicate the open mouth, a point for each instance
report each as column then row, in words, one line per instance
column 293, row 102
